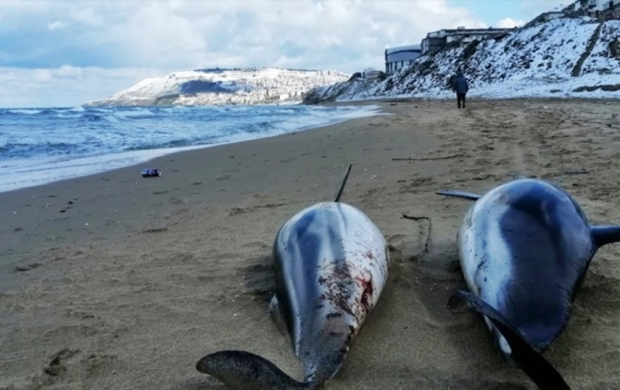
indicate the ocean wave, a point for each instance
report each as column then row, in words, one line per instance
column 25, row 112
column 53, row 139
column 178, row 143
column 138, row 113
column 21, row 150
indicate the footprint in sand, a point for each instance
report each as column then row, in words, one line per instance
column 57, row 364
column 259, row 278
column 256, row 244
column 175, row 201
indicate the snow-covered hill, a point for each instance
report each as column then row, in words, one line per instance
column 576, row 57
column 224, row 86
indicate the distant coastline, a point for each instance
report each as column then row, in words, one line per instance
column 215, row 86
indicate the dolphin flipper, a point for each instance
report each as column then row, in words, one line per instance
column 602, row 235
column 276, row 314
column 531, row 362
column 460, row 194
column 245, row 370
column 344, row 181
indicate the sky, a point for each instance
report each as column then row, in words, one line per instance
column 63, row 53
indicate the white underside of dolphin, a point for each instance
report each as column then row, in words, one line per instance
column 501, row 268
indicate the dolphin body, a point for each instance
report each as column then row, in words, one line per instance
column 525, row 248
column 331, row 264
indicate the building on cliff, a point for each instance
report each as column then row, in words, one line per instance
column 437, row 39
column 599, row 5
column 399, row 57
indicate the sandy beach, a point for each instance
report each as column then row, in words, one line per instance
column 114, row 281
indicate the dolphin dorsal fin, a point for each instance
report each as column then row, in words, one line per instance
column 459, row 194
column 344, row 181
column 533, row 364
column 602, row 235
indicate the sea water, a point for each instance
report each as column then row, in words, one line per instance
column 39, row 146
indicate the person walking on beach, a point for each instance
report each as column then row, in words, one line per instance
column 461, row 87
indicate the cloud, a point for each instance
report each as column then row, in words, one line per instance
column 185, row 34
column 65, row 86
column 86, row 17
column 56, row 25
column 509, row 23
column 169, row 35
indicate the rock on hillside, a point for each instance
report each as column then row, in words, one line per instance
column 562, row 57
column 224, row 86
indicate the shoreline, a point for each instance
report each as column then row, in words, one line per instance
column 134, row 158
column 405, row 99
column 115, row 281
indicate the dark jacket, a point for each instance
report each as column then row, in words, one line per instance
column 460, row 84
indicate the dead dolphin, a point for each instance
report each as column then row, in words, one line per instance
column 525, row 247
column 331, row 264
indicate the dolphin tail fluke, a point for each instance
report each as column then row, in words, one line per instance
column 602, row 235
column 533, row 364
column 344, row 181
column 460, row 194
column 245, row 370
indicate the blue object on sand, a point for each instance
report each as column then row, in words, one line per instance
column 151, row 172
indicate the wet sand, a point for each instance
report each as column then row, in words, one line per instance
column 113, row 281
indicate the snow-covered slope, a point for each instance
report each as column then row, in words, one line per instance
column 576, row 57
column 228, row 86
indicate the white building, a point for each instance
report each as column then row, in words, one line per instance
column 371, row 74
column 599, row 5
column 399, row 57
